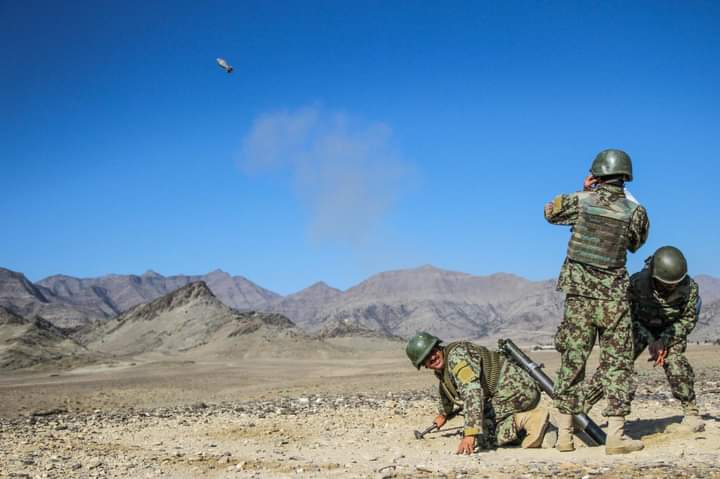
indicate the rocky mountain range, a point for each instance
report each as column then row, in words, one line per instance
column 68, row 302
column 191, row 319
column 27, row 342
column 190, row 322
column 394, row 303
column 449, row 304
column 125, row 291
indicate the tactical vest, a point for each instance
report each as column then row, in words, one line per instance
column 490, row 364
column 653, row 310
column 600, row 236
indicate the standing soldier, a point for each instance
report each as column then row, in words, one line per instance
column 665, row 305
column 605, row 225
column 497, row 397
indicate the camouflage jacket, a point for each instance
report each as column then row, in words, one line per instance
column 586, row 280
column 469, row 378
column 667, row 318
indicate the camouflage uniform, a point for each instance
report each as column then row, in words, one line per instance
column 669, row 319
column 596, row 301
column 489, row 389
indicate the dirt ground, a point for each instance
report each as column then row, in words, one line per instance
column 161, row 417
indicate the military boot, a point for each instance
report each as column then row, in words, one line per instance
column 617, row 442
column 534, row 422
column 565, row 433
column 691, row 421
column 550, row 438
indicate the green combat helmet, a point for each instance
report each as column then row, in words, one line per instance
column 669, row 265
column 612, row 162
column 419, row 347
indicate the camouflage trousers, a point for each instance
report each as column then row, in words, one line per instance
column 584, row 320
column 516, row 392
column 677, row 368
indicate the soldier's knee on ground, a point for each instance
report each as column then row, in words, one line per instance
column 534, row 422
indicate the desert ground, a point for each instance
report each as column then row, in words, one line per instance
column 186, row 417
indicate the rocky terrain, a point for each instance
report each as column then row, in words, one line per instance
column 25, row 343
column 184, row 423
column 351, row 329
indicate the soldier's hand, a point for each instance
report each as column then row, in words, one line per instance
column 440, row 421
column 548, row 209
column 654, row 348
column 662, row 354
column 589, row 182
column 467, row 445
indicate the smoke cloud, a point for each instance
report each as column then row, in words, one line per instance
column 346, row 173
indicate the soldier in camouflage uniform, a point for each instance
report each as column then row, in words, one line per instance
column 605, row 225
column 665, row 305
column 499, row 400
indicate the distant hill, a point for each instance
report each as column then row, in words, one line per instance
column 709, row 287
column 26, row 299
column 708, row 325
column 32, row 342
column 304, row 305
column 192, row 320
column 449, row 304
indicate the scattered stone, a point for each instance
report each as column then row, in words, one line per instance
column 49, row 412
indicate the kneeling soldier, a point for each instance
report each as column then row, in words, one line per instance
column 665, row 305
column 497, row 397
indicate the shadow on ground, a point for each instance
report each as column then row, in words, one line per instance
column 646, row 427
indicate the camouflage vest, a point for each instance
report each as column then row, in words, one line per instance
column 653, row 310
column 489, row 363
column 600, row 236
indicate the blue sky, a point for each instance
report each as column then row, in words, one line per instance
column 352, row 138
